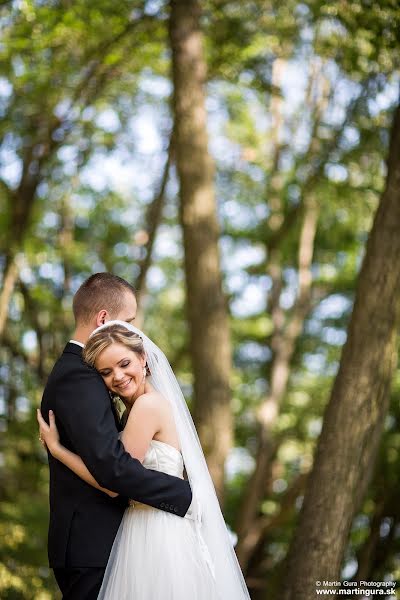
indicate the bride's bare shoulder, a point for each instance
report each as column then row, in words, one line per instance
column 152, row 400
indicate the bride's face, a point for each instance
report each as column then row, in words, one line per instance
column 122, row 371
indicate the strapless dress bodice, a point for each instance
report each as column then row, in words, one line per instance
column 163, row 457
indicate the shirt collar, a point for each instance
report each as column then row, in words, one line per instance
column 77, row 343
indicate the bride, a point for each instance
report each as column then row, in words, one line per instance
column 156, row 555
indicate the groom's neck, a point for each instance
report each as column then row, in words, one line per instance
column 81, row 334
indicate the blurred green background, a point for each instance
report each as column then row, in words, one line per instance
column 300, row 99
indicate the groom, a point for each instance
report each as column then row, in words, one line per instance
column 83, row 520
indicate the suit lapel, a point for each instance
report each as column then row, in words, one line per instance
column 75, row 349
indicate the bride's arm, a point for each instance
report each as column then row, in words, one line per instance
column 143, row 423
column 49, row 434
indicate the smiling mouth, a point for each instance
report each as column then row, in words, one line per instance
column 124, row 384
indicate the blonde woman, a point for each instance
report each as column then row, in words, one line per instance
column 155, row 553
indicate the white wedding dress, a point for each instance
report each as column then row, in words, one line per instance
column 157, row 555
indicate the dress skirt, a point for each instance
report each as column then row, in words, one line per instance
column 157, row 556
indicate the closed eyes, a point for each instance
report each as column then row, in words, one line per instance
column 106, row 373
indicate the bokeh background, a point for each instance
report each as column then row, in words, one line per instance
column 227, row 158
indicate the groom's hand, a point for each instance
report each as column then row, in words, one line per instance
column 194, row 511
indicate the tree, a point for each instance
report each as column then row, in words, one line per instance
column 45, row 105
column 358, row 404
column 206, row 305
column 299, row 97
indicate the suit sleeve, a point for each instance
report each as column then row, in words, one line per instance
column 83, row 407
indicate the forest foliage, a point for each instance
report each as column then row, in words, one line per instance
column 300, row 97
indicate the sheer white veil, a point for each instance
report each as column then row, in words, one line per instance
column 213, row 533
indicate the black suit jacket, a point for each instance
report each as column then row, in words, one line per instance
column 84, row 520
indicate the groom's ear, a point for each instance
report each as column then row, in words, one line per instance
column 102, row 317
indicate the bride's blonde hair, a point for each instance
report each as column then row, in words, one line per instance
column 115, row 334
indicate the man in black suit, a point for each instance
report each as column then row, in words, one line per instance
column 83, row 519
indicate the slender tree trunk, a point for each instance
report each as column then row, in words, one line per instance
column 21, row 205
column 375, row 550
column 287, row 327
column 95, row 77
column 207, row 312
column 10, row 277
column 368, row 550
column 359, row 402
column 152, row 222
column 259, row 575
column 283, row 343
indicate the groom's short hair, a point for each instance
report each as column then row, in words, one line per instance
column 100, row 291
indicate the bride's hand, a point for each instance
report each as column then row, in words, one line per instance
column 48, row 434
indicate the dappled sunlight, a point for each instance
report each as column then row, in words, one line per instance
column 238, row 195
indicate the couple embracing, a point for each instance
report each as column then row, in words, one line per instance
column 133, row 511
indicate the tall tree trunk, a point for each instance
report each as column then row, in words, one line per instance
column 359, row 402
column 207, row 312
